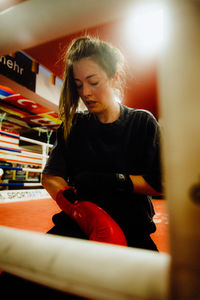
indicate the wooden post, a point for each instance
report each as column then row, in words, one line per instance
column 179, row 90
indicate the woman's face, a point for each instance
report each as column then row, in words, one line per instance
column 93, row 85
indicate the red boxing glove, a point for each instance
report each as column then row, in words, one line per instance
column 93, row 220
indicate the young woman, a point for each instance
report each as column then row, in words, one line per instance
column 109, row 153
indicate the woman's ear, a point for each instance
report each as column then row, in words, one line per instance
column 115, row 80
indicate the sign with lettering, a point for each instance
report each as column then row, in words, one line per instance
column 18, row 68
column 18, row 111
column 23, row 195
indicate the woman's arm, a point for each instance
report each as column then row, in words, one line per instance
column 142, row 187
column 92, row 182
column 53, row 184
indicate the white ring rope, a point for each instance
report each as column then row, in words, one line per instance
column 89, row 269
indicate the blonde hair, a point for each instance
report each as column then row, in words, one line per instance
column 104, row 54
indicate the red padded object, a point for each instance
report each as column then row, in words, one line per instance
column 93, row 220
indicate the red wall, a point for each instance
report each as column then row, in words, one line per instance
column 141, row 89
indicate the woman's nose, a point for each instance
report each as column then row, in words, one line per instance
column 86, row 90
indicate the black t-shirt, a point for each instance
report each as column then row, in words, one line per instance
column 130, row 145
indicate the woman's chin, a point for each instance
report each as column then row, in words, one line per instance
column 93, row 108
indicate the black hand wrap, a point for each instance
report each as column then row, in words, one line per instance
column 90, row 183
column 124, row 182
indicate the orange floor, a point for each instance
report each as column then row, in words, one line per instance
column 161, row 236
column 36, row 215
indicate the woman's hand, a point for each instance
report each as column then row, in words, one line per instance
column 91, row 183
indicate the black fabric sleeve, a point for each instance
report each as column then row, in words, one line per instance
column 153, row 173
column 57, row 162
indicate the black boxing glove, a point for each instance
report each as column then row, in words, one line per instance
column 90, row 183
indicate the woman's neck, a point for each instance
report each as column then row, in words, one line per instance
column 109, row 115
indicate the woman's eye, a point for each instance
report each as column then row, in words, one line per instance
column 93, row 83
column 79, row 86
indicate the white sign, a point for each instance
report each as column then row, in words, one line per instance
column 23, row 195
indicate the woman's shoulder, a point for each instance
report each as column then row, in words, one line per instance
column 138, row 114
